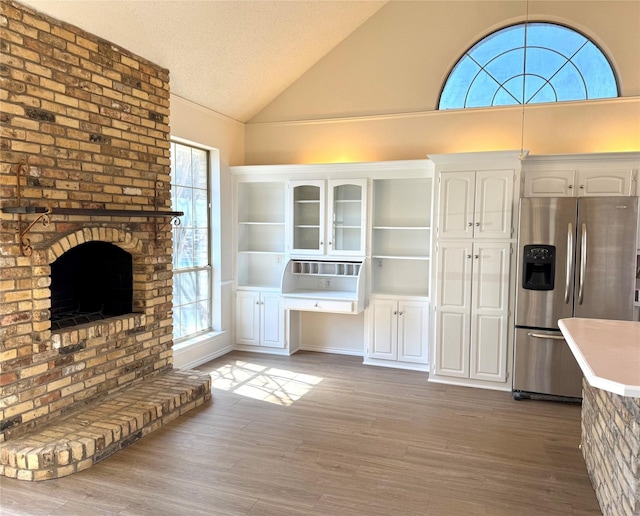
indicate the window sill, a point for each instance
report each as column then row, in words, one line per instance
column 201, row 349
column 197, row 340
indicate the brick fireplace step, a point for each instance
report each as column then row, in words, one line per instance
column 78, row 441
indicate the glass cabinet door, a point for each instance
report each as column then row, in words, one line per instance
column 307, row 217
column 347, row 216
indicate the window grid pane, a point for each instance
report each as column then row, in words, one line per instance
column 192, row 274
column 561, row 65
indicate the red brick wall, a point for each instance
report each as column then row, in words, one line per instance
column 90, row 121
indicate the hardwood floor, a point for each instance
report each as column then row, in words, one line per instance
column 322, row 434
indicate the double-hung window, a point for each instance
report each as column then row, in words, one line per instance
column 192, row 270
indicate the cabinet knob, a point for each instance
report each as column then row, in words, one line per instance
column 330, row 243
column 257, row 302
column 570, row 187
column 470, row 224
column 477, row 223
column 400, row 313
column 582, row 187
column 395, row 312
column 477, row 256
column 468, row 256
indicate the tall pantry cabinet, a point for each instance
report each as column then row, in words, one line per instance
column 473, row 245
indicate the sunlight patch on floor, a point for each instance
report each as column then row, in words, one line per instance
column 278, row 386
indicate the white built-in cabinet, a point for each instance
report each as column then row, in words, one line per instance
column 578, row 183
column 476, row 204
column 410, row 261
column 399, row 330
column 398, row 316
column 328, row 217
column 259, row 319
column 472, row 322
column 472, row 301
column 598, row 175
column 260, row 259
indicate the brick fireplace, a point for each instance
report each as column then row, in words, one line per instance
column 85, row 164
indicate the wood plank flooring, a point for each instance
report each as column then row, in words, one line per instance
column 320, row 434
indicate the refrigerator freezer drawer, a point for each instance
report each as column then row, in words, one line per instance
column 544, row 364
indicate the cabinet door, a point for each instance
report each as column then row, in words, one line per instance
column 307, row 217
column 271, row 320
column 384, row 329
column 493, row 204
column 490, row 311
column 549, row 183
column 346, row 221
column 603, row 183
column 453, row 309
column 456, row 210
column 413, row 331
column 248, row 317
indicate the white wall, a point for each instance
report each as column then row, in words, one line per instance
column 374, row 97
column 193, row 123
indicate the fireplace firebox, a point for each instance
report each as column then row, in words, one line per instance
column 89, row 282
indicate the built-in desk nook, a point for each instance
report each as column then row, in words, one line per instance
column 608, row 353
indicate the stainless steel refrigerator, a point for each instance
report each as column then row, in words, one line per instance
column 576, row 258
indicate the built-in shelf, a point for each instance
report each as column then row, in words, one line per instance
column 324, row 268
column 401, row 237
column 260, row 234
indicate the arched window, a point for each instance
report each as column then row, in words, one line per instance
column 529, row 63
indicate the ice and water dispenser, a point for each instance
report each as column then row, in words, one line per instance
column 538, row 267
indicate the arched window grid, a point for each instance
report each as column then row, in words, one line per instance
column 546, row 81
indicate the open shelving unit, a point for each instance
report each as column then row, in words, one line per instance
column 261, row 234
column 401, row 237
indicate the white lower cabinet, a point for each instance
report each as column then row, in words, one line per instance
column 472, row 312
column 259, row 319
column 398, row 332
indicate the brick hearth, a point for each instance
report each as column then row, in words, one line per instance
column 85, row 131
column 91, row 435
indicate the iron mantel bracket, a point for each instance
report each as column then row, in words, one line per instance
column 44, row 212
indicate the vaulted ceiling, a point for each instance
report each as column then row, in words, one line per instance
column 233, row 57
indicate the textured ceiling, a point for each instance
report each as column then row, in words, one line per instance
column 233, row 57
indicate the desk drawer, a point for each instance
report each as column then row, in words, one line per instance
column 319, row 305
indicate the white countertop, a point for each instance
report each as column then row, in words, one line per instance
column 608, row 353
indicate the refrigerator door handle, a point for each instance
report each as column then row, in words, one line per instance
column 583, row 261
column 570, row 262
column 543, row 336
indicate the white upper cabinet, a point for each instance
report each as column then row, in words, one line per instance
column 578, row 183
column 333, row 224
column 581, row 175
column 476, row 204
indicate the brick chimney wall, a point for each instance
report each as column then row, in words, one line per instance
column 89, row 121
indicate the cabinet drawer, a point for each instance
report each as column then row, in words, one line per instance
column 319, row 305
